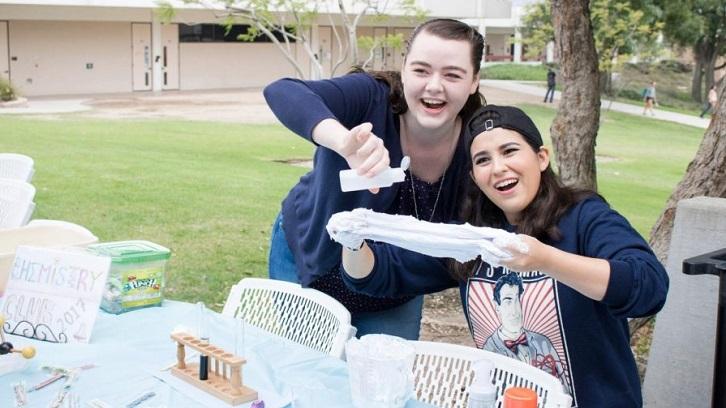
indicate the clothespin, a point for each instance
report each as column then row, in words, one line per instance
column 70, row 379
column 21, row 398
column 57, row 374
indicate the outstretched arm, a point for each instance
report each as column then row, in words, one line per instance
column 332, row 113
column 589, row 276
column 614, row 264
column 388, row 271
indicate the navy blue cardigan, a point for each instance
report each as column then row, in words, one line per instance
column 351, row 99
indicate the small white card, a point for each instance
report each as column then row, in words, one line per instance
column 53, row 295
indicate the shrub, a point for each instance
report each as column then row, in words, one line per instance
column 7, row 92
column 675, row 66
column 519, row 72
column 632, row 94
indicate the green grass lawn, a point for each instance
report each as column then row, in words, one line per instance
column 520, row 72
column 673, row 84
column 207, row 191
column 639, row 161
column 210, row 191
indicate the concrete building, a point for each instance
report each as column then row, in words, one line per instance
column 62, row 47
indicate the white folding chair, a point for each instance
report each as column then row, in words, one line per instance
column 16, row 166
column 16, row 202
column 305, row 316
column 443, row 373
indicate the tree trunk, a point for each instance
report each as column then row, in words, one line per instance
column 575, row 126
column 705, row 176
column 709, row 71
column 698, row 51
column 606, row 83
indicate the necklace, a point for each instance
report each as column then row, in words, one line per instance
column 438, row 194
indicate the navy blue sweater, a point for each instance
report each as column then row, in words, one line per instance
column 350, row 99
column 583, row 342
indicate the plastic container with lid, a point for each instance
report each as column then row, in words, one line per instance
column 137, row 274
column 519, row 397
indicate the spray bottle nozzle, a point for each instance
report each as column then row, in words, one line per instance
column 482, row 393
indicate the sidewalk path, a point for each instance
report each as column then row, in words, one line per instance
column 519, row 87
column 49, row 106
column 248, row 106
column 232, row 106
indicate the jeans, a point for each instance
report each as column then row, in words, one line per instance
column 550, row 92
column 403, row 321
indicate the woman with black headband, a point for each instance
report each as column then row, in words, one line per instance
column 562, row 304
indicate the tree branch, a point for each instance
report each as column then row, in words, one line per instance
column 342, row 47
column 257, row 21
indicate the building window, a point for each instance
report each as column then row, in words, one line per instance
column 218, row 33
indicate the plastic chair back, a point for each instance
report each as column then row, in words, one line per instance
column 443, row 373
column 305, row 316
column 16, row 166
column 16, row 203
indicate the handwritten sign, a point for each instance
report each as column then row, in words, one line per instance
column 53, row 295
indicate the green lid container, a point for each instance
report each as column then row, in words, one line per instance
column 131, row 252
column 137, row 275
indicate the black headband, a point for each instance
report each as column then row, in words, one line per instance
column 508, row 117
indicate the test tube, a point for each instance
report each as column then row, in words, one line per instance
column 203, row 329
column 239, row 337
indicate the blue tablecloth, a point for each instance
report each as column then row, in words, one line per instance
column 130, row 349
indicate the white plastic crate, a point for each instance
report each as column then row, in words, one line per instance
column 51, row 234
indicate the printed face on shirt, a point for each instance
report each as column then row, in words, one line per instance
column 510, row 310
column 437, row 78
column 507, row 170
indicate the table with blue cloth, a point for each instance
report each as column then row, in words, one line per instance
column 130, row 351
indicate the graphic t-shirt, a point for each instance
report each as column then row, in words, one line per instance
column 525, row 326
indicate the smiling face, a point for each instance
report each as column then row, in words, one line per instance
column 507, row 170
column 438, row 78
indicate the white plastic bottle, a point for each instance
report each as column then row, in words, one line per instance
column 482, row 393
column 350, row 180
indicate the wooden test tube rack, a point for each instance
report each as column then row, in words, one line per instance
column 225, row 370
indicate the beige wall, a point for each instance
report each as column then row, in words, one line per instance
column 392, row 58
column 230, row 65
column 468, row 8
column 52, row 57
column 4, row 57
column 74, row 13
column 498, row 44
column 497, row 9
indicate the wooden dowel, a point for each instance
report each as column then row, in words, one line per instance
column 236, row 380
column 180, row 356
